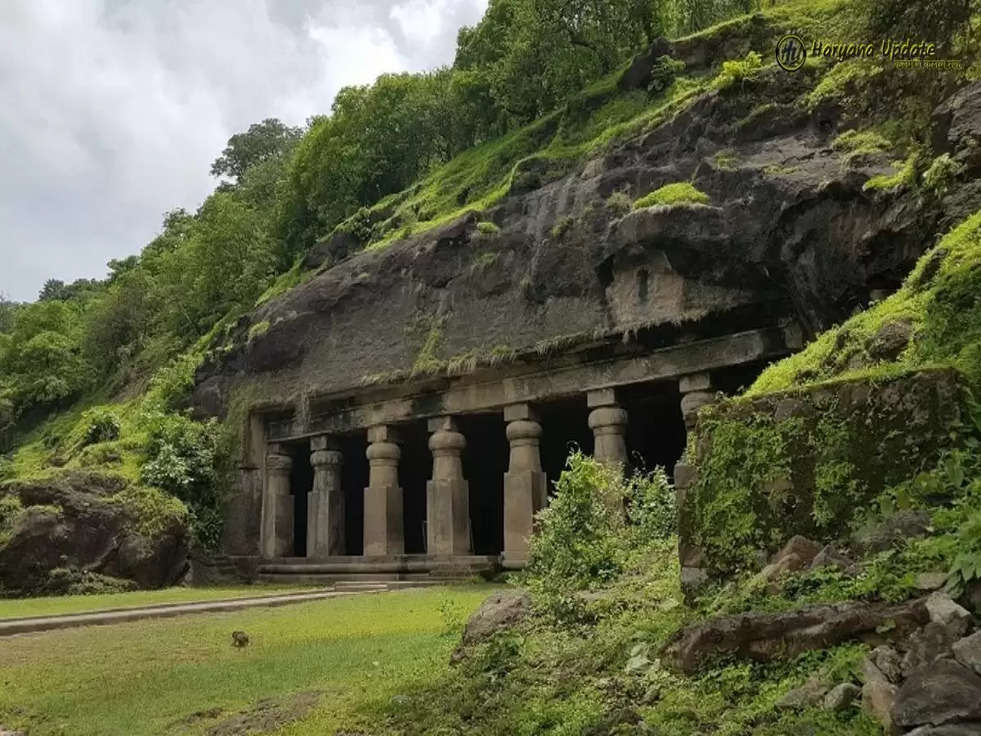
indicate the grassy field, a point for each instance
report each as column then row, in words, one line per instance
column 311, row 668
column 59, row 605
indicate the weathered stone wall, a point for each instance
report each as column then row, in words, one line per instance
column 805, row 463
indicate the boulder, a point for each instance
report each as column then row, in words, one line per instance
column 951, row 729
column 90, row 532
column 795, row 555
column 883, row 534
column 499, row 611
column 945, row 612
column 928, row 645
column 883, row 662
column 810, row 693
column 829, row 556
column 766, row 636
column 878, row 698
column 942, row 692
column 841, row 696
column 967, row 651
column 928, row 581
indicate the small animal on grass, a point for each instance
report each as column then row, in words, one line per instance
column 240, row 638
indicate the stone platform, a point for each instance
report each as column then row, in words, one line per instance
column 424, row 569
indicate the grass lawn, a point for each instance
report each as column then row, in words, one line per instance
column 59, row 605
column 345, row 657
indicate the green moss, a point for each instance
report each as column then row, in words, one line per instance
column 741, row 488
column 619, row 202
column 11, row 510
column 151, row 512
column 904, row 176
column 838, row 490
column 483, row 260
column 561, row 227
column 681, row 192
column 485, row 227
column 296, row 276
column 258, row 329
column 856, row 145
column 726, row 159
column 427, row 359
column 939, row 302
column 844, row 82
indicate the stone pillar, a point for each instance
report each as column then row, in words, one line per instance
column 277, row 505
column 447, row 494
column 696, row 393
column 325, row 503
column 608, row 420
column 383, row 532
column 525, row 485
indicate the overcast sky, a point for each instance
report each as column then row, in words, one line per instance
column 111, row 111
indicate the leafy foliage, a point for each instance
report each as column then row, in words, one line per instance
column 681, row 192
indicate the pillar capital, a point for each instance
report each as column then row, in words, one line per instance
column 694, row 382
column 278, row 462
column 601, row 397
column 607, row 417
column 384, row 433
column 445, row 442
column 520, row 412
column 522, row 432
column 323, row 458
column 383, row 453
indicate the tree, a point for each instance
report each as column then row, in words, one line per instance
column 262, row 141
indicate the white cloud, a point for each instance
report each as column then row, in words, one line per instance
column 114, row 109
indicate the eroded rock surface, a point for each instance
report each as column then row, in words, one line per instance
column 76, row 533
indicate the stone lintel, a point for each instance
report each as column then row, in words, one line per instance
column 466, row 396
column 442, row 424
column 384, row 433
column 601, row 397
column 694, row 382
column 520, row 413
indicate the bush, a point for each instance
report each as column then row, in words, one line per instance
column 663, row 73
column 651, row 506
column 619, row 203
column 99, row 425
column 181, row 458
column 738, row 71
column 10, row 511
column 940, row 176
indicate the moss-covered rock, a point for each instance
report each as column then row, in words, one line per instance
column 87, row 531
column 803, row 462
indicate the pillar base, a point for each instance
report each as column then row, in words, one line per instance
column 383, row 521
column 524, row 496
column 448, row 517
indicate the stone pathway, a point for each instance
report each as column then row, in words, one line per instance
column 11, row 626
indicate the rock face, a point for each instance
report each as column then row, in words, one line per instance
column 765, row 636
column 86, row 531
column 790, row 233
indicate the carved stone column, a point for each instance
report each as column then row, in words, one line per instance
column 525, row 485
column 325, row 503
column 383, row 525
column 696, row 393
column 447, row 494
column 608, row 420
column 277, row 505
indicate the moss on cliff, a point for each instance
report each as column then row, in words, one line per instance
column 934, row 319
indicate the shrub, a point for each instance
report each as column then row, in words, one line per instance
column 663, row 73
column 181, row 458
column 651, row 508
column 99, row 425
column 738, row 71
column 619, row 203
column 10, row 510
column 940, row 176
column 487, row 228
column 578, row 543
column 681, row 192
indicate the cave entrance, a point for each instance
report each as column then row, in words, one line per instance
column 565, row 427
column 354, row 479
column 655, row 425
column 485, row 461
column 415, row 469
column 301, row 483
